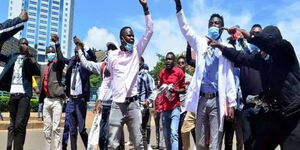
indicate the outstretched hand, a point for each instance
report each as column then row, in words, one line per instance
column 214, row 44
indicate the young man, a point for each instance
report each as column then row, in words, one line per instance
column 280, row 75
column 171, row 76
column 212, row 91
column 145, row 88
column 123, row 66
column 16, row 78
column 52, row 94
column 187, row 119
column 78, row 91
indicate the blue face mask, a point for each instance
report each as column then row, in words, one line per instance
column 51, row 56
column 214, row 33
column 129, row 47
column 253, row 48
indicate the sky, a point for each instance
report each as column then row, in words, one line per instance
column 99, row 21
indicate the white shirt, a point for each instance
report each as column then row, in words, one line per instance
column 226, row 84
column 17, row 78
column 78, row 84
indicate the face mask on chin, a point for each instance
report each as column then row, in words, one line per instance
column 128, row 46
column 214, row 33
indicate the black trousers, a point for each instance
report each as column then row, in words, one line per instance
column 146, row 128
column 249, row 124
column 274, row 129
column 19, row 109
column 230, row 127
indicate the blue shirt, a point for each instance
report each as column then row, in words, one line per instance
column 209, row 82
column 145, row 85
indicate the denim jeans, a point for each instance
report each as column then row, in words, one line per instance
column 66, row 132
column 103, row 137
column 170, row 121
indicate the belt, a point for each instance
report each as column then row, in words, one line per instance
column 17, row 94
column 131, row 99
column 76, row 96
column 209, row 95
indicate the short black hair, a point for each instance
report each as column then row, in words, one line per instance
column 256, row 25
column 52, row 47
column 171, row 53
column 123, row 29
column 22, row 39
column 181, row 57
column 218, row 16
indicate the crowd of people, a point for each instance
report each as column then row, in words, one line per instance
column 249, row 84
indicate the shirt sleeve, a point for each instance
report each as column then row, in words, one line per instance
column 143, row 42
column 189, row 34
column 94, row 67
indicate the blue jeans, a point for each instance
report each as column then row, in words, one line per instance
column 103, row 135
column 170, row 121
column 40, row 111
column 66, row 128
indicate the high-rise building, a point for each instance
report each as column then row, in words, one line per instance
column 45, row 17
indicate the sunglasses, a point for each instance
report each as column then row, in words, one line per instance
column 24, row 44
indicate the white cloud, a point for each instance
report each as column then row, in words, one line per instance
column 288, row 23
column 98, row 37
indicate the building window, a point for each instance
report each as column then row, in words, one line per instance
column 67, row 4
column 54, row 18
column 32, row 14
column 42, row 33
column 44, row 5
column 32, row 8
column 30, row 31
column 44, row 10
column 56, row 2
column 31, row 19
column 32, row 2
column 43, row 16
column 42, row 38
column 54, row 24
column 41, row 58
column 66, row 9
column 43, row 27
column 31, row 25
column 30, row 36
column 53, row 29
column 45, row 0
column 43, row 21
column 42, row 44
column 55, row 7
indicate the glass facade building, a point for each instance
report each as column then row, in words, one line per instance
column 46, row 17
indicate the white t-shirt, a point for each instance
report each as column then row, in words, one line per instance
column 17, row 79
column 78, row 85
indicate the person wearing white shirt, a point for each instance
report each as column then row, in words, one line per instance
column 211, row 94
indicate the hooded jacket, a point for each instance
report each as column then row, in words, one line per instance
column 280, row 74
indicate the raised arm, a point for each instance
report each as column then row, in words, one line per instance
column 143, row 42
column 189, row 34
column 189, row 60
column 92, row 66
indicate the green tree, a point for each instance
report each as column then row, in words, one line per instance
column 95, row 81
